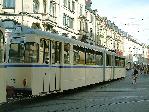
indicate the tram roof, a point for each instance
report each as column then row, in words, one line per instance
column 60, row 38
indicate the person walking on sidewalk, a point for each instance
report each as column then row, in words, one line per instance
column 134, row 75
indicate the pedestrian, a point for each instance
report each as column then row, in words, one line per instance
column 134, row 76
column 141, row 70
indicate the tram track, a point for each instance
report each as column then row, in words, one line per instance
column 89, row 103
column 102, row 105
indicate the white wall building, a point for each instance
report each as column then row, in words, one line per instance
column 133, row 50
column 91, row 24
column 59, row 16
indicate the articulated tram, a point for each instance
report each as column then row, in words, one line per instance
column 39, row 62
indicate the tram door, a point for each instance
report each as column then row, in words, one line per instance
column 108, row 75
column 55, row 65
column 45, row 45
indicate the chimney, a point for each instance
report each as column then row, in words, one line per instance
column 88, row 2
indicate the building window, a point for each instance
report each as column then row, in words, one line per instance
column 44, row 6
column 69, row 5
column 64, row 19
column 35, row 6
column 9, row 3
column 65, row 3
column 68, row 21
column 80, row 10
column 71, row 22
column 86, row 27
column 91, row 32
column 52, row 8
column 91, row 18
column 82, row 26
column 73, row 6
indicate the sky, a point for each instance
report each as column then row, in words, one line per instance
column 131, row 16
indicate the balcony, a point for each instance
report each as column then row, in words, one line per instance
column 82, row 32
column 53, row 1
column 82, row 17
column 49, row 18
column 37, row 16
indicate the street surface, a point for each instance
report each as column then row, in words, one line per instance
column 115, row 96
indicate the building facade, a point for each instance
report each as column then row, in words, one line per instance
column 74, row 19
column 57, row 16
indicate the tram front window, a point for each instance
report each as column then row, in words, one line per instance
column 23, row 53
column 16, row 53
column 1, row 47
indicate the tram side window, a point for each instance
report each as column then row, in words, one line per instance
column 16, row 53
column 47, row 51
column 44, row 51
column 122, row 61
column 31, row 52
column 56, row 52
column 99, row 58
column 41, row 51
column 1, row 47
column 66, row 53
column 90, row 57
column 117, row 61
column 78, row 55
column 108, row 60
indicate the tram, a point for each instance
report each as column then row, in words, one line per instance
column 40, row 62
